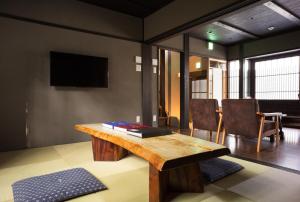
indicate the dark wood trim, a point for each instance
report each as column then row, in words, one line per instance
column 51, row 24
column 206, row 56
column 276, row 56
column 210, row 16
column 184, row 84
column 162, row 80
column 265, row 163
column 168, row 48
column 169, row 81
column 252, row 79
column 147, row 84
column 241, row 73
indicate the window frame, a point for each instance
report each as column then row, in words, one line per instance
column 275, row 56
column 229, row 92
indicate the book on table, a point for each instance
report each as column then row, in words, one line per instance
column 149, row 132
column 113, row 124
column 126, row 127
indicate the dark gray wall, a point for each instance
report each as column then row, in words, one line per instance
column 279, row 43
column 24, row 78
column 76, row 14
column 200, row 47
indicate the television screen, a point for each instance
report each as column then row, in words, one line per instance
column 78, row 70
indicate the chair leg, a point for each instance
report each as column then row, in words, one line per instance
column 261, row 128
column 210, row 135
column 192, row 129
column 219, row 130
column 277, row 131
column 223, row 136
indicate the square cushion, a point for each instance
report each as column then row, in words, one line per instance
column 58, row 186
column 217, row 168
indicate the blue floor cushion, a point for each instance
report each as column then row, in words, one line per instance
column 58, row 186
column 217, row 168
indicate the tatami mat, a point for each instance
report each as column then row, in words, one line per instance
column 127, row 179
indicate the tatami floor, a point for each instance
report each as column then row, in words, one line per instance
column 127, row 179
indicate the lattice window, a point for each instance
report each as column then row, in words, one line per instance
column 233, row 79
column 277, row 79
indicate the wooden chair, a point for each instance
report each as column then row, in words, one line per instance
column 205, row 116
column 242, row 117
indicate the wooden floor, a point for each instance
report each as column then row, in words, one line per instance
column 286, row 156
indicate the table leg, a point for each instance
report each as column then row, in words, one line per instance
column 107, row 151
column 281, row 133
column 162, row 184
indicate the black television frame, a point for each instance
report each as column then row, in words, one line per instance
column 77, row 80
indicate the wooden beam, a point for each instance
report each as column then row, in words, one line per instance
column 147, row 84
column 184, row 84
column 234, row 29
column 204, row 19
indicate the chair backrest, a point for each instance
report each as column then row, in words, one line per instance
column 204, row 114
column 240, row 118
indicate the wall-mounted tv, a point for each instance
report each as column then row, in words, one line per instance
column 75, row 70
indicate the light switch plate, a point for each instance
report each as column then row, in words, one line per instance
column 154, row 62
column 138, row 68
column 154, row 70
column 138, row 119
column 154, row 118
column 138, row 59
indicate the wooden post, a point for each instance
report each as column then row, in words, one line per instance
column 184, row 84
column 241, row 73
column 162, row 184
column 107, row 151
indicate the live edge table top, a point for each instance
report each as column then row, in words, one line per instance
column 163, row 152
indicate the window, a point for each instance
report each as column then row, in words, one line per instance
column 277, row 79
column 199, row 89
column 233, row 79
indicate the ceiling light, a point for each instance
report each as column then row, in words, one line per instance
column 271, row 28
column 210, row 32
column 283, row 12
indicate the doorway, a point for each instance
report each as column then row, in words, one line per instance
column 169, row 89
column 207, row 78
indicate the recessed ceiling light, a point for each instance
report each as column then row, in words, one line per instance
column 210, row 32
column 271, row 28
column 252, row 18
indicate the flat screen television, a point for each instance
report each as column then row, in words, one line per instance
column 75, row 70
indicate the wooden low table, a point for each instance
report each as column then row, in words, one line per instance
column 173, row 159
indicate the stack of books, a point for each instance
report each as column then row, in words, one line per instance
column 136, row 129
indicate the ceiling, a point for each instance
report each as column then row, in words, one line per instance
column 263, row 19
column 137, row 8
